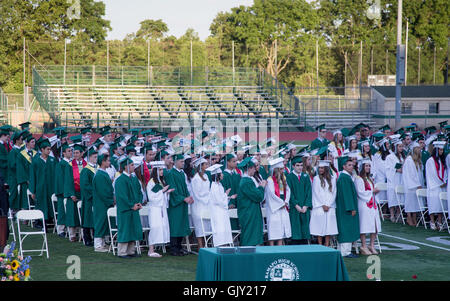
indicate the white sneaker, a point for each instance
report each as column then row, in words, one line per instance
column 432, row 226
column 102, row 249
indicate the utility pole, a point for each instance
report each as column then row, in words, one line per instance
column 399, row 68
column 317, row 74
column 232, row 58
column 406, row 54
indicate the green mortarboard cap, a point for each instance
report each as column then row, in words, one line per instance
column 16, row 135
column 378, row 136
column 119, row 139
column 430, row 129
column 44, row 143
column 161, row 144
column 76, row 139
column 341, row 162
column 447, row 127
column 132, row 139
column 78, row 147
column 65, row 146
column 39, row 140
column 135, row 131
column 113, row 146
column 441, row 137
column 410, row 127
column 146, row 147
column 129, row 148
column 4, row 132
column 148, row 132
column 297, row 159
column 6, row 128
column 399, row 131
column 177, row 157
column 91, row 151
column 385, row 127
column 322, row 151
column 62, row 135
column 125, row 161
column 345, row 132
column 100, row 159
column 25, row 125
column 320, row 127
column 86, row 130
column 28, row 136
column 246, row 163
column 416, row 135
column 398, row 165
column 443, row 123
column 161, row 154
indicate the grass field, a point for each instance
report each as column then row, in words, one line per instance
column 425, row 262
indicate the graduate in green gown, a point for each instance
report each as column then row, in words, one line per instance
column 72, row 189
column 4, row 136
column 102, row 200
column 178, row 206
column 300, row 203
column 347, row 217
column 321, row 139
column 12, row 167
column 60, row 169
column 42, row 171
column 129, row 228
column 86, row 178
column 250, row 196
column 231, row 180
column 23, row 163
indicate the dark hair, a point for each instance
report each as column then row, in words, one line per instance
column 364, row 175
column 326, row 177
column 215, row 177
column 402, row 155
column 188, row 169
column 154, row 176
column 257, row 176
column 105, row 157
column 384, row 152
column 436, row 157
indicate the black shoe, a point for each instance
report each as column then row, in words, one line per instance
column 89, row 244
column 176, row 253
column 184, row 252
column 125, row 256
column 63, row 234
column 134, row 255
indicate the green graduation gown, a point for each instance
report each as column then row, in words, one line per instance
column 4, row 161
column 346, row 202
column 264, row 174
column 301, row 194
column 23, row 163
column 317, row 143
column 232, row 180
column 178, row 209
column 249, row 212
column 102, row 199
column 59, row 190
column 12, row 179
column 129, row 226
column 137, row 190
column 40, row 185
column 72, row 217
column 86, row 177
column 114, row 161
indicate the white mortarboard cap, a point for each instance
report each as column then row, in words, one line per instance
column 236, row 138
column 337, row 132
column 263, row 152
column 53, row 140
column 324, row 163
column 439, row 144
column 215, row 169
column 137, row 160
column 158, row 164
column 102, row 151
column 199, row 161
column 414, row 144
column 393, row 137
column 354, row 154
column 276, row 163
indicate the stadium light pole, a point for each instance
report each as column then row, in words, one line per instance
column 398, row 87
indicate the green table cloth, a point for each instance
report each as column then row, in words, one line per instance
column 273, row 263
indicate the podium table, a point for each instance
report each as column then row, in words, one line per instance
column 273, row 263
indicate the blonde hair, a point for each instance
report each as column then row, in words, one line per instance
column 416, row 155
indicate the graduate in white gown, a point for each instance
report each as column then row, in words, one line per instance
column 158, row 201
column 412, row 180
column 379, row 167
column 369, row 218
column 436, row 176
column 323, row 214
column 394, row 163
column 200, row 193
column 277, row 194
column 218, row 208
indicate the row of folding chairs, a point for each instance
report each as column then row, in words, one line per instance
column 422, row 202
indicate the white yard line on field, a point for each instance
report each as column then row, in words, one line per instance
column 413, row 241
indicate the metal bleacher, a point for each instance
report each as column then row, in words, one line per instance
column 223, row 95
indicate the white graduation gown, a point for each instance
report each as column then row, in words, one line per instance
column 369, row 218
column 323, row 223
column 412, row 180
column 158, row 219
column 220, row 220
column 379, row 174
column 394, row 178
column 200, row 193
column 278, row 222
column 434, row 185
column 189, row 187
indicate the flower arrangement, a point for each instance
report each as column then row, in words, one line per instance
column 14, row 267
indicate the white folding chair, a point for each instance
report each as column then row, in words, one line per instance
column 30, row 207
column 187, row 243
column 381, row 203
column 55, row 211
column 232, row 213
column 112, row 213
column 264, row 218
column 421, row 199
column 79, row 203
column 205, row 215
column 11, row 224
column 31, row 215
column 399, row 190
column 144, row 213
column 444, row 199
